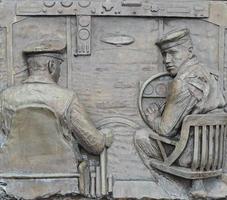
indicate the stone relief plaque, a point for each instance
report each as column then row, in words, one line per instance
column 113, row 99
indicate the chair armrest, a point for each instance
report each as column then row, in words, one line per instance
column 163, row 139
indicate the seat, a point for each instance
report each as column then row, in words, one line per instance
column 209, row 134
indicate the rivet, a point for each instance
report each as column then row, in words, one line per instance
column 44, row 10
column 93, row 10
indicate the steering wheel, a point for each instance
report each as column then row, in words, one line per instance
column 153, row 91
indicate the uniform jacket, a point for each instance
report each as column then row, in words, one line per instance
column 194, row 90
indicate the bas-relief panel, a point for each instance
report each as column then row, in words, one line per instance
column 108, row 82
column 110, row 71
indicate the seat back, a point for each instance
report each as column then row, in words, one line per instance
column 36, row 145
column 209, row 135
column 208, row 132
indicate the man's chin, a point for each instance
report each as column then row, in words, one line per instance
column 172, row 72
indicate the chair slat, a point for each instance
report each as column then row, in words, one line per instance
column 196, row 153
column 204, row 148
column 211, row 148
column 221, row 139
column 216, row 147
column 224, row 145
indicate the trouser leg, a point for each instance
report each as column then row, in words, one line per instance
column 146, row 147
column 185, row 160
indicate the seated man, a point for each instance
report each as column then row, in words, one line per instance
column 194, row 90
column 33, row 150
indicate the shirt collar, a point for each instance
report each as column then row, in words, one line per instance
column 39, row 79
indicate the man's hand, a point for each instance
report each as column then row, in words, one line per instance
column 107, row 133
column 152, row 112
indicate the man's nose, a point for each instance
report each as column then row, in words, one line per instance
column 168, row 58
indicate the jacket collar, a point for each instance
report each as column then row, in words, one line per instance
column 188, row 66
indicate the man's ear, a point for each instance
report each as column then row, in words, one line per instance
column 51, row 66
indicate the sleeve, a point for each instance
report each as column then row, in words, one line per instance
column 83, row 129
column 199, row 87
column 179, row 103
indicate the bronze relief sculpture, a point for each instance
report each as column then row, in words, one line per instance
column 113, row 99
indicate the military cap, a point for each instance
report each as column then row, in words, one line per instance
column 174, row 38
column 45, row 47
